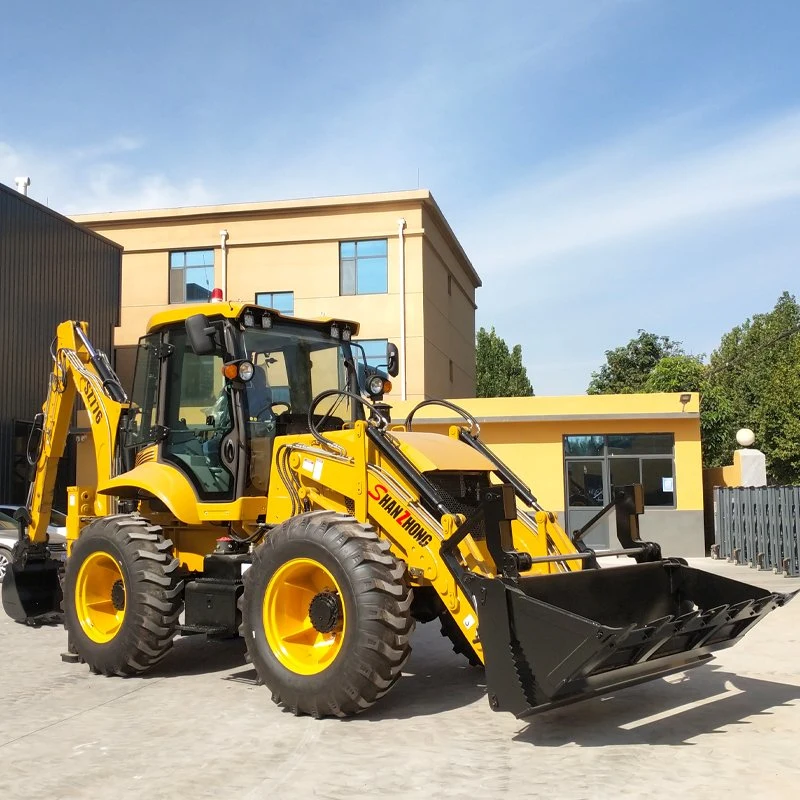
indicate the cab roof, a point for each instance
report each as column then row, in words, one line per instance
column 229, row 309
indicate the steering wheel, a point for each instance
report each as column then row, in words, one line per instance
column 271, row 406
column 377, row 419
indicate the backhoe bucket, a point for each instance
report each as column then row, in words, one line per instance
column 32, row 593
column 555, row 639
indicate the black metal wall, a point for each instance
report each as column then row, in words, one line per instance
column 50, row 270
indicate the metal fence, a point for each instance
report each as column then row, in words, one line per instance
column 759, row 526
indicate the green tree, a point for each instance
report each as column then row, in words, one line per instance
column 752, row 380
column 755, row 376
column 688, row 374
column 500, row 373
column 717, row 426
column 681, row 373
column 627, row 368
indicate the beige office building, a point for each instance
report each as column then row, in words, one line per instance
column 390, row 261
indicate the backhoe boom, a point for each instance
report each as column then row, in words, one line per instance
column 30, row 589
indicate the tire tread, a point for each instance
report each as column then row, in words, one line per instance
column 385, row 623
column 153, row 603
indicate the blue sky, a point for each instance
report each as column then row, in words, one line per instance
column 608, row 165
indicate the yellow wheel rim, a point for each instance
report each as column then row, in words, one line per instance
column 100, row 595
column 291, row 635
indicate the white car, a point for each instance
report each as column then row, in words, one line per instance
column 58, row 519
column 9, row 533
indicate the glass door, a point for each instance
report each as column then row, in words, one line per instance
column 587, row 492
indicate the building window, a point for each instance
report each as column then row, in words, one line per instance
column 280, row 301
column 363, row 267
column 596, row 464
column 375, row 351
column 451, row 370
column 191, row 276
column 449, row 284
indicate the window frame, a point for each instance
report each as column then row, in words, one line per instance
column 356, row 259
column 182, row 269
column 270, row 305
column 607, row 459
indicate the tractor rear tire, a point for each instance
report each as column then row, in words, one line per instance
column 326, row 615
column 122, row 597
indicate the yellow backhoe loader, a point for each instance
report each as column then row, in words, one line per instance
column 254, row 484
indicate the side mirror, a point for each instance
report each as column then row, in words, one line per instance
column 392, row 359
column 201, row 335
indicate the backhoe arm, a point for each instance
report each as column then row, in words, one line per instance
column 78, row 369
column 31, row 589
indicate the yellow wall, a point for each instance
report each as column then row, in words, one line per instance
column 294, row 246
column 527, row 433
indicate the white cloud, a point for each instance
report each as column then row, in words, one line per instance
column 634, row 188
column 97, row 177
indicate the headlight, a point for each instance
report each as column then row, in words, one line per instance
column 375, row 384
column 246, row 370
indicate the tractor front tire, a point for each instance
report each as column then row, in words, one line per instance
column 122, row 597
column 326, row 615
column 461, row 645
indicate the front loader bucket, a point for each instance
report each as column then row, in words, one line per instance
column 555, row 639
column 32, row 593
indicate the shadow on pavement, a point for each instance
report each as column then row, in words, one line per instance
column 662, row 712
column 434, row 680
column 421, row 692
column 196, row 655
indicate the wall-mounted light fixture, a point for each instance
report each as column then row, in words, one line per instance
column 685, row 398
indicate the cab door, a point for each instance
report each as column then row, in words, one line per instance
column 141, row 425
column 199, row 414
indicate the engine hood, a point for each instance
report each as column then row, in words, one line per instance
column 432, row 451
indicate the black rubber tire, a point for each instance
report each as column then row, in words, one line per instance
column 153, row 600
column 377, row 603
column 460, row 644
column 5, row 561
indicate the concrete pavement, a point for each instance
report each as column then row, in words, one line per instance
column 200, row 727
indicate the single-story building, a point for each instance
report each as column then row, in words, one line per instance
column 572, row 451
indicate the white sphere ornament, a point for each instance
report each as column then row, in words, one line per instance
column 745, row 437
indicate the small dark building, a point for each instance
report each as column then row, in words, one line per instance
column 51, row 269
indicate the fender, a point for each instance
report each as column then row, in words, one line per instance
column 176, row 492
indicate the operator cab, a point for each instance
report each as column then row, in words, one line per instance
column 213, row 390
